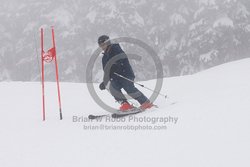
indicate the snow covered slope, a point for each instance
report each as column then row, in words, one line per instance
column 207, row 127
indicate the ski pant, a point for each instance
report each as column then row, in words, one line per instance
column 129, row 87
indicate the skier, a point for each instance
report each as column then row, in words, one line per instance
column 118, row 72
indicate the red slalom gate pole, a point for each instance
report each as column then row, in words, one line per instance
column 48, row 57
column 57, row 76
column 43, row 94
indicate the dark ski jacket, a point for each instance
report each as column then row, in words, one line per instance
column 115, row 59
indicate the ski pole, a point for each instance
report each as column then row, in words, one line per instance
column 165, row 96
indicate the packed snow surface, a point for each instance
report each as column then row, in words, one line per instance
column 208, row 126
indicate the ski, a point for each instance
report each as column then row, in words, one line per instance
column 131, row 112
column 120, row 113
column 97, row 116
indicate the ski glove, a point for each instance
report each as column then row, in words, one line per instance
column 102, row 86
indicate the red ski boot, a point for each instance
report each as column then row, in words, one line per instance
column 146, row 105
column 125, row 106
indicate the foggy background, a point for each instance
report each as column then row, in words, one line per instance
column 188, row 35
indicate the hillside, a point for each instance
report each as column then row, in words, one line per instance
column 208, row 125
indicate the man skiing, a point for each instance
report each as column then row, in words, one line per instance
column 118, row 71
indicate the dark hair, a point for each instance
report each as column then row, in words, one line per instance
column 102, row 39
